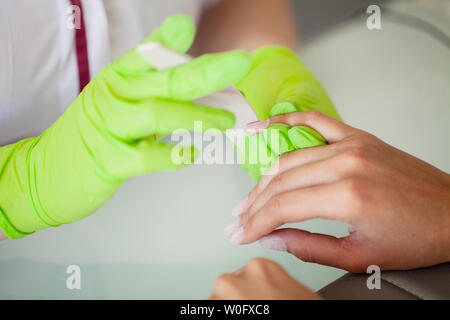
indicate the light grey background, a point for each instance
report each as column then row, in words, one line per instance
column 313, row 18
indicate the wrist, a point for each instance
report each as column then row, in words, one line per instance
column 17, row 215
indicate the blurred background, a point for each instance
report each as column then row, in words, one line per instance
column 316, row 17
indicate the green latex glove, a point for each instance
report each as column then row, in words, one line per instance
column 110, row 132
column 279, row 83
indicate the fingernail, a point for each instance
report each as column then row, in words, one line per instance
column 232, row 227
column 240, row 207
column 273, row 243
column 237, row 237
column 257, row 126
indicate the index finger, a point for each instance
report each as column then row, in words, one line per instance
column 200, row 77
column 331, row 129
column 298, row 205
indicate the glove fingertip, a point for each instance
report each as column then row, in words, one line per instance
column 238, row 64
column 225, row 69
column 177, row 33
column 216, row 118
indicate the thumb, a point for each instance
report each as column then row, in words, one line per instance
column 316, row 248
column 177, row 33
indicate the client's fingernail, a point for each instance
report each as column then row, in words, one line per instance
column 237, row 237
column 257, row 126
column 273, row 242
column 240, row 207
column 232, row 227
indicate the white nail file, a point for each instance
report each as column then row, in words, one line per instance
column 229, row 98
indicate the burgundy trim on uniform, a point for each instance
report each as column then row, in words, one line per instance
column 81, row 48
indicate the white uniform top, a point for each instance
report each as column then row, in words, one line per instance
column 161, row 235
column 39, row 75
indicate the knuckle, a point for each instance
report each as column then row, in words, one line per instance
column 225, row 282
column 354, row 194
column 259, row 265
column 298, row 118
column 274, row 167
column 274, row 204
column 284, row 159
column 255, row 191
column 357, row 155
column 365, row 137
column 363, row 140
column 350, row 261
column 358, row 143
column 244, row 217
column 353, row 187
column 276, row 184
column 355, row 159
column 313, row 114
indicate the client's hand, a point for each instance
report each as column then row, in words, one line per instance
column 260, row 279
column 397, row 206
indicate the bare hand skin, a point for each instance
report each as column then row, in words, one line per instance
column 247, row 25
column 2, row 235
column 397, row 206
column 260, row 279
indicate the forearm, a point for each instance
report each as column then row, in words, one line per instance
column 247, row 25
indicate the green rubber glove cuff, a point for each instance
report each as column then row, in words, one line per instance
column 9, row 230
column 12, row 164
column 277, row 76
column 279, row 83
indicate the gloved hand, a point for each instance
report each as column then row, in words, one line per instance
column 110, row 133
column 279, row 83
